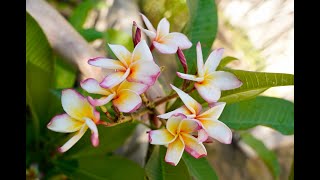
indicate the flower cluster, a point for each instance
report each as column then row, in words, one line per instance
column 186, row 128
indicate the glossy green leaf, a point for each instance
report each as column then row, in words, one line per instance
column 101, row 168
column 111, row 138
column 39, row 70
column 254, row 83
column 80, row 13
column 64, row 74
column 202, row 26
column 266, row 155
column 157, row 169
column 200, row 169
column 266, row 111
column 91, row 34
column 224, row 61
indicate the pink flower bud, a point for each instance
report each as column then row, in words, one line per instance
column 182, row 60
column 136, row 34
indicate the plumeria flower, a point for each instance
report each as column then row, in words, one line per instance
column 162, row 40
column 137, row 66
column 80, row 115
column 209, row 119
column 124, row 96
column 208, row 81
column 178, row 138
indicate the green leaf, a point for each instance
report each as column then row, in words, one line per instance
column 39, row 70
column 80, row 13
column 225, row 61
column 113, row 36
column 91, row 34
column 111, row 138
column 267, row 156
column 200, row 169
column 157, row 169
column 102, row 168
column 64, row 74
column 266, row 111
column 254, row 83
column 202, row 27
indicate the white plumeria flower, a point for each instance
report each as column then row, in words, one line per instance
column 80, row 115
column 162, row 40
column 208, row 81
column 178, row 138
column 137, row 66
column 124, row 96
column 209, row 119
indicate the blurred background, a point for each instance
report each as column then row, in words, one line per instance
column 257, row 32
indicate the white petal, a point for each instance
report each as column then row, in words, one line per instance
column 208, row 92
column 147, row 23
column 72, row 141
column 165, row 48
column 122, row 53
column 179, row 39
column 145, row 72
column 101, row 101
column 212, row 113
column 127, row 101
column 213, row 60
column 94, row 132
column 92, row 86
column 64, row 123
column 150, row 34
column 224, row 80
column 133, row 86
column 114, row 79
column 76, row 106
column 193, row 106
column 107, row 63
column 142, row 52
column 163, row 28
column 183, row 109
column 175, row 151
column 218, row 130
column 193, row 147
column 173, row 123
column 160, row 137
column 190, row 77
column 202, row 135
column 200, row 60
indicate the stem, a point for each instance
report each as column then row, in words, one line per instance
column 165, row 99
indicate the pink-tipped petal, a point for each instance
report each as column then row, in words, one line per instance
column 127, row 101
column 212, row 113
column 94, row 132
column 75, row 105
column 142, row 52
column 184, row 110
column 92, row 86
column 193, row 106
column 122, row 53
column 208, row 92
column 163, row 28
column 107, row 63
column 101, row 101
column 114, row 79
column 189, row 126
column 224, row 80
column 165, row 48
column 147, row 23
column 190, row 77
column 64, row 123
column 213, row 60
column 72, row 141
column 145, row 72
column 217, row 130
column 179, row 39
column 193, row 146
column 173, row 123
column 200, row 60
column 202, row 135
column 175, row 151
column 160, row 137
column 150, row 34
column 133, row 86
